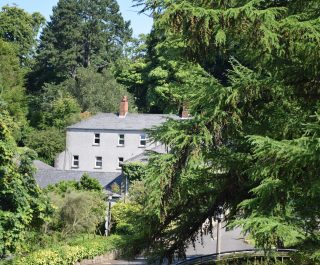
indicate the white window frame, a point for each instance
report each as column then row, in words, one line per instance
column 100, row 160
column 121, row 139
column 120, row 162
column 143, row 137
column 97, row 136
column 75, row 160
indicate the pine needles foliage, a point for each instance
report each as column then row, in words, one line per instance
column 252, row 144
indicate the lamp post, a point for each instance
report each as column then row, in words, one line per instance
column 108, row 217
column 219, row 218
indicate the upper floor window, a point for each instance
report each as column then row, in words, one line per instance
column 96, row 139
column 120, row 162
column 98, row 163
column 75, row 161
column 121, row 140
column 143, row 140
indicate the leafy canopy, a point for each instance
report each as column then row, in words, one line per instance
column 21, row 29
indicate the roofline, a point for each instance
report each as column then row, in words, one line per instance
column 106, row 129
column 80, row 171
column 168, row 116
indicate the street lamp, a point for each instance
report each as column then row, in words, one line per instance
column 108, row 216
column 219, row 217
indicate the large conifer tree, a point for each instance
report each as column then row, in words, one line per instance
column 80, row 33
column 260, row 70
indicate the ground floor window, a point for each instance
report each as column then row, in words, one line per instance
column 120, row 162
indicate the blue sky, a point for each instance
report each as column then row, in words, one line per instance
column 139, row 23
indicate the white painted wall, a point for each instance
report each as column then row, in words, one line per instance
column 81, row 142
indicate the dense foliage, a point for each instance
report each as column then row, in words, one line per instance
column 21, row 29
column 69, row 254
column 248, row 70
column 134, row 171
column 252, row 144
column 22, row 204
column 12, row 92
column 80, row 34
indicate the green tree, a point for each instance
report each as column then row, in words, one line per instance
column 12, row 92
column 47, row 143
column 80, row 34
column 22, row 204
column 157, row 74
column 54, row 107
column 21, row 29
column 254, row 72
column 96, row 92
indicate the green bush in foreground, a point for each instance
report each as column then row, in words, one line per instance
column 69, row 254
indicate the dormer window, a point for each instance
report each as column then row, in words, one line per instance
column 143, row 140
column 96, row 139
column 121, row 140
column 75, row 161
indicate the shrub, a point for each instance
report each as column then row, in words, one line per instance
column 77, row 212
column 70, row 254
column 87, row 183
column 134, row 171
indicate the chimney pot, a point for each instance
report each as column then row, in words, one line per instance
column 124, row 107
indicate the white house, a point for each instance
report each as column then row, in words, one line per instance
column 103, row 142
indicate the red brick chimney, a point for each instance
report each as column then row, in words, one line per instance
column 185, row 111
column 124, row 107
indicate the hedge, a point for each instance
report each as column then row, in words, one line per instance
column 69, row 254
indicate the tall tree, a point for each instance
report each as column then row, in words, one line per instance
column 257, row 73
column 21, row 29
column 80, row 34
column 12, row 92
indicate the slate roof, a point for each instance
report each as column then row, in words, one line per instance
column 132, row 121
column 144, row 157
column 45, row 177
column 41, row 165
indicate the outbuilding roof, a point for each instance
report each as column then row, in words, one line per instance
column 39, row 165
column 144, row 156
column 45, row 177
column 132, row 121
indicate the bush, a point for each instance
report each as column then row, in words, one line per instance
column 70, row 254
column 77, row 212
column 134, row 171
column 87, row 183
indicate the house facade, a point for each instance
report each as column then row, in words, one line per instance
column 103, row 142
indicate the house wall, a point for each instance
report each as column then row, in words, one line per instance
column 81, row 142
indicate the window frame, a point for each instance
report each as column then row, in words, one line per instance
column 121, row 139
column 75, row 160
column 120, row 163
column 96, row 138
column 98, row 161
column 145, row 139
